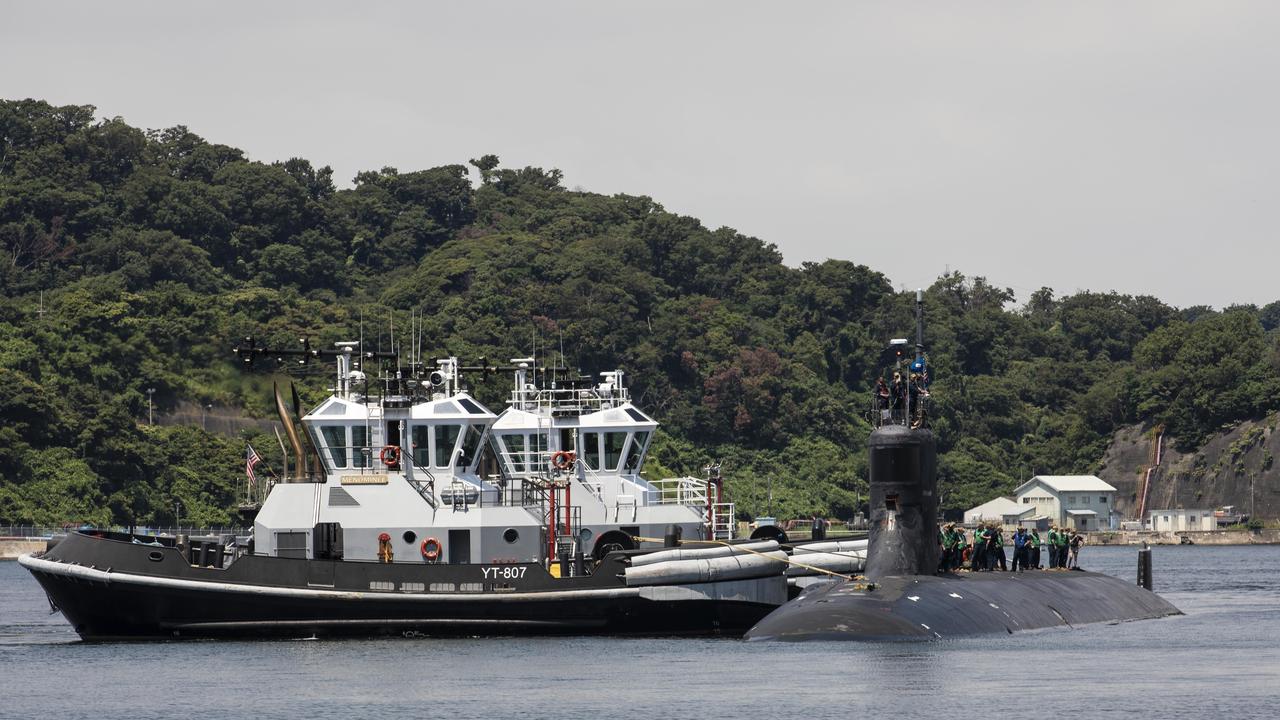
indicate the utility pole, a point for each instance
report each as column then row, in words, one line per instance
column 150, row 392
column 177, row 516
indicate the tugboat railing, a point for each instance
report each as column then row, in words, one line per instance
column 356, row 458
column 569, row 400
column 880, row 413
column 427, row 488
column 677, row 491
column 524, row 462
column 590, row 479
column 534, row 463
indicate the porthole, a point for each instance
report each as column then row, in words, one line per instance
column 584, row 536
column 155, row 556
column 410, row 536
column 511, row 536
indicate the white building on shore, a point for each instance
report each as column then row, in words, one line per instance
column 1181, row 520
column 1002, row 510
column 1083, row 502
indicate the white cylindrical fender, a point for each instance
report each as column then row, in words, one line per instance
column 701, row 553
column 831, row 546
column 733, row 567
column 849, row 562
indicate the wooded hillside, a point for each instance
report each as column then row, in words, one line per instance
column 136, row 259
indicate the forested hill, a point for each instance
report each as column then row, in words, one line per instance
column 136, row 259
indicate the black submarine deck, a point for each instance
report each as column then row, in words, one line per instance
column 925, row 607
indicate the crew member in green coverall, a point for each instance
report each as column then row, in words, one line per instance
column 978, row 561
column 1053, row 546
column 945, row 543
column 995, row 548
column 958, row 543
column 1064, row 543
column 1034, row 544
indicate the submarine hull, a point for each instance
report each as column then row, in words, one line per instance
column 923, row 607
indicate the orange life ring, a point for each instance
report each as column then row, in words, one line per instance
column 431, row 549
column 390, row 455
column 562, row 460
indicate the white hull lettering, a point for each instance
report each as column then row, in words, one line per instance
column 504, row 572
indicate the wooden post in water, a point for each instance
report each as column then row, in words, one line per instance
column 1144, row 567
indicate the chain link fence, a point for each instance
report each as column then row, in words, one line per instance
column 38, row 531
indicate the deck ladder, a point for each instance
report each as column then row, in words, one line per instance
column 722, row 521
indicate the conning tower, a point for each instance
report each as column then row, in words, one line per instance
column 904, row 482
column 904, row 502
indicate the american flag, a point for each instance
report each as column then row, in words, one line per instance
column 251, row 459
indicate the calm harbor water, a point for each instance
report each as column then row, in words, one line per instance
column 1222, row 658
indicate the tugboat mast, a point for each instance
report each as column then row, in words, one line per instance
column 919, row 324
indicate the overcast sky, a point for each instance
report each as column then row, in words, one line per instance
column 1132, row 146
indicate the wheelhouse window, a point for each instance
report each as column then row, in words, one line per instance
column 335, row 439
column 421, row 437
column 613, row 444
column 635, row 451
column 515, row 451
column 470, row 445
column 589, row 450
column 446, row 439
column 537, row 457
column 360, row 454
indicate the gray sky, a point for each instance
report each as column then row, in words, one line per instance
column 1107, row 145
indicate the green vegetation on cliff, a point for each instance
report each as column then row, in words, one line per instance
column 135, row 259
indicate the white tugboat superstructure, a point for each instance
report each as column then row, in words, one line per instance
column 556, row 473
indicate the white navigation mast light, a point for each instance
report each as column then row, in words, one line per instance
column 897, row 341
column 344, row 367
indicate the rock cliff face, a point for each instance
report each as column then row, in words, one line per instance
column 1235, row 467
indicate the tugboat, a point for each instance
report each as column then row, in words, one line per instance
column 414, row 509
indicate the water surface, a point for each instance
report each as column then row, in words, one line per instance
column 1222, row 658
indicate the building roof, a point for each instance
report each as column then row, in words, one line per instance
column 998, row 508
column 1068, row 483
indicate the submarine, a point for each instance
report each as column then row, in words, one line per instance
column 903, row 597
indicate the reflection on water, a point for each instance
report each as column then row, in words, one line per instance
column 1222, row 657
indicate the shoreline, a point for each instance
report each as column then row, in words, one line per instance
column 11, row 548
column 1266, row 536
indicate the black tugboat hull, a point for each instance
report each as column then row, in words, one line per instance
column 907, row 608
column 111, row 590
